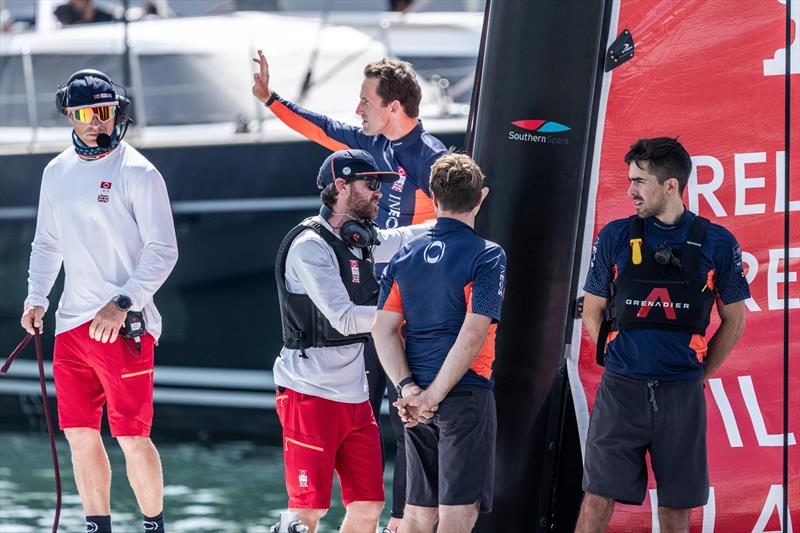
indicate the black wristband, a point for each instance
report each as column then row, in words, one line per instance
column 403, row 383
column 272, row 98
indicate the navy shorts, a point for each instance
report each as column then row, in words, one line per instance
column 450, row 460
column 634, row 416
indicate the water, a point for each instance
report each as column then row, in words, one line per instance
column 234, row 487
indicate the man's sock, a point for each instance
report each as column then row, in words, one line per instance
column 154, row 524
column 98, row 524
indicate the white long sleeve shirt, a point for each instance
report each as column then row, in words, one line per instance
column 332, row 372
column 109, row 221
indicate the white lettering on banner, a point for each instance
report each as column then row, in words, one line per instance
column 780, row 185
column 774, row 277
column 754, row 410
column 708, row 190
column 709, row 512
column 774, row 502
column 752, row 270
column 750, row 401
column 743, row 183
column 776, row 66
column 725, row 410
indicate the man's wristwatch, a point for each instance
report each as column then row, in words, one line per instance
column 123, row 302
column 403, row 383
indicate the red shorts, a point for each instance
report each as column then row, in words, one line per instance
column 320, row 436
column 88, row 374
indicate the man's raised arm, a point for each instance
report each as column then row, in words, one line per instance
column 323, row 130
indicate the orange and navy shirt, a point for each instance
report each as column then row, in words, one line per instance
column 434, row 281
column 649, row 353
column 406, row 201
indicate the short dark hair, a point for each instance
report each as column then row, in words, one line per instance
column 329, row 194
column 396, row 81
column 667, row 157
column 456, row 181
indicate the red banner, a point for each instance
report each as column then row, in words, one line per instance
column 712, row 73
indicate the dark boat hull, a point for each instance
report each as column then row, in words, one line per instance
column 232, row 206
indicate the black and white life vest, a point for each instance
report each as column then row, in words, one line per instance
column 304, row 325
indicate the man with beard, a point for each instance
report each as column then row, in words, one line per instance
column 656, row 275
column 328, row 293
column 388, row 105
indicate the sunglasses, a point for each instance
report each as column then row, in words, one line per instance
column 85, row 114
column 373, row 182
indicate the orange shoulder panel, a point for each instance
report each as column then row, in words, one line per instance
column 305, row 127
column 394, row 303
column 423, row 207
column 482, row 365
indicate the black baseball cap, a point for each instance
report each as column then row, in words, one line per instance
column 352, row 165
column 90, row 91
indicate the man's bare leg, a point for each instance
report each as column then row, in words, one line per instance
column 418, row 519
column 457, row 518
column 394, row 524
column 361, row 516
column 310, row 517
column 595, row 513
column 144, row 473
column 674, row 520
column 92, row 470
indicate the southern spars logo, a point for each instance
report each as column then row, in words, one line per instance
column 540, row 131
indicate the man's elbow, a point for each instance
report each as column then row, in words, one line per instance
column 172, row 258
column 381, row 329
column 740, row 326
column 733, row 317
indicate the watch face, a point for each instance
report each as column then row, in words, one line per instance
column 124, row 303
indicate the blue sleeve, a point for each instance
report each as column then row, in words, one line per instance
column 601, row 266
column 731, row 282
column 489, row 283
column 386, row 283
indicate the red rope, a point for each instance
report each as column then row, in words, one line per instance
column 46, row 403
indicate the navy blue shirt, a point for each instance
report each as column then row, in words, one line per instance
column 404, row 202
column 658, row 353
column 434, row 281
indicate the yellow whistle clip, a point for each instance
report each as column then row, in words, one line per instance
column 636, row 252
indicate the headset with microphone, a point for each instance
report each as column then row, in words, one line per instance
column 355, row 233
column 122, row 117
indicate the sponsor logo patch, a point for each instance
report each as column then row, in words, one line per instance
column 658, row 297
column 302, row 479
column 544, row 131
column 434, row 252
column 105, row 188
column 354, row 271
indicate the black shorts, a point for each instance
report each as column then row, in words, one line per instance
column 633, row 416
column 450, row 460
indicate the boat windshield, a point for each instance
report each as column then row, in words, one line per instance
column 176, row 89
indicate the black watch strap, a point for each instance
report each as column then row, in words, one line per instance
column 272, row 98
column 403, row 383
